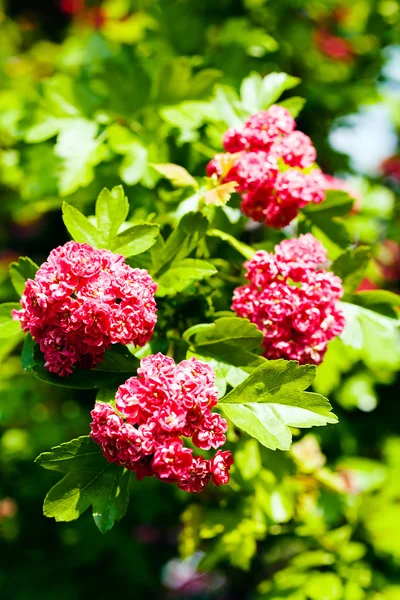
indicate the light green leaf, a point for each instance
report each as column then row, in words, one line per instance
column 272, row 399
column 351, row 267
column 376, row 335
column 89, row 481
column 134, row 164
column 181, row 274
column 20, row 271
column 136, row 239
column 294, row 105
column 273, row 85
column 227, row 105
column 8, row 327
column 80, row 228
column 177, row 175
column 78, row 148
column 112, row 208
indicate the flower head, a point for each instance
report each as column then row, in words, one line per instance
column 292, row 299
column 163, row 404
column 81, row 302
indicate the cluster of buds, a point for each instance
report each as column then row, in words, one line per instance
column 154, row 411
column 81, row 302
column 292, row 299
column 271, row 164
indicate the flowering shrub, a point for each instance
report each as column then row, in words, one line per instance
column 166, row 402
column 292, row 300
column 82, row 301
column 270, row 194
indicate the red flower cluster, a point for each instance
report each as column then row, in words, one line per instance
column 165, row 403
column 81, row 302
column 292, row 300
column 255, row 151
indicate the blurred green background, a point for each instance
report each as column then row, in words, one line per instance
column 90, row 92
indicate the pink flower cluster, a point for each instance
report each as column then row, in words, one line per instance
column 266, row 142
column 81, row 302
column 155, row 410
column 292, row 299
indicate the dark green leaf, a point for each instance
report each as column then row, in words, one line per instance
column 351, row 266
column 20, row 271
column 323, row 216
column 118, row 360
column 89, row 481
column 181, row 274
column 27, row 355
column 183, row 240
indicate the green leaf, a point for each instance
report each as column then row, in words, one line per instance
column 79, row 150
column 229, row 340
column 136, row 239
column 294, row 105
column 351, row 266
column 8, row 327
column 324, row 216
column 376, row 335
column 227, row 104
column 183, row 240
column 112, row 208
column 124, row 142
column 22, row 270
column 80, row 228
column 27, row 355
column 259, row 93
column 118, row 360
column 244, row 250
column 176, row 174
column 181, row 274
column 81, row 379
column 273, row 86
column 89, row 481
column 272, row 399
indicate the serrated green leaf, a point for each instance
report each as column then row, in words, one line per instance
column 182, row 241
column 8, row 327
column 177, row 175
column 228, row 340
column 272, row 399
column 90, row 481
column 136, row 239
column 80, row 228
column 351, row 267
column 181, row 274
column 112, row 208
column 20, row 271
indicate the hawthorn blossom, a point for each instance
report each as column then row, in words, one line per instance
column 81, row 302
column 154, row 411
column 272, row 166
column 292, row 299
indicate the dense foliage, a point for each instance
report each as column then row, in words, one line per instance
column 153, row 334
